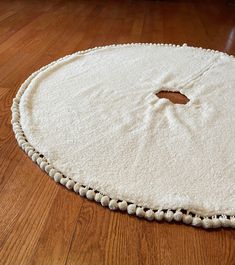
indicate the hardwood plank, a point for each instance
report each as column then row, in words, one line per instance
column 54, row 243
column 24, row 209
column 90, row 237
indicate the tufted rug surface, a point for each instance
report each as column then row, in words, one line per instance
column 93, row 122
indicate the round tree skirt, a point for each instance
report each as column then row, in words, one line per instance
column 93, row 122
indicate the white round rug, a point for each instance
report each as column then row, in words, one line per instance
column 93, row 122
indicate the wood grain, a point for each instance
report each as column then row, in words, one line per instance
column 40, row 221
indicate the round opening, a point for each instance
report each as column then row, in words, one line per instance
column 174, row 97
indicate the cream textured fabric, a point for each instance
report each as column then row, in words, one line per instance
column 96, row 118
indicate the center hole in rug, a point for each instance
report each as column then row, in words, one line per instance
column 174, row 97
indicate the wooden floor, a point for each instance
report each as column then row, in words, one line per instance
column 42, row 222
